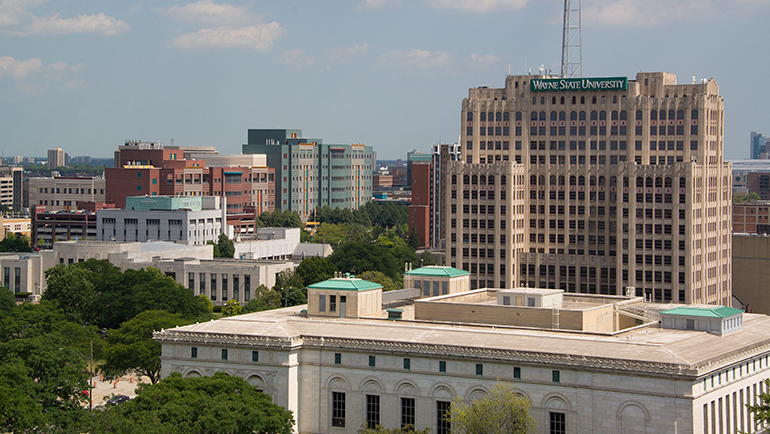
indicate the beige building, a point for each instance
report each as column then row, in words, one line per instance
column 605, row 189
column 587, row 363
column 56, row 158
column 64, row 192
column 751, row 271
column 11, row 187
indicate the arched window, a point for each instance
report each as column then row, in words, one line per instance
column 623, row 99
column 502, row 179
column 454, row 179
column 602, row 115
column 561, row 100
column 582, row 115
column 470, row 116
column 671, row 114
column 490, row 116
column 562, row 116
column 573, row 115
column 553, row 100
column 680, row 114
column 653, row 115
column 506, row 116
column 474, row 180
column 534, row 100
column 694, row 114
column 482, row 180
column 662, row 115
column 553, row 116
column 534, row 116
column 572, row 180
column 533, row 180
column 603, row 100
column 581, row 180
column 613, row 181
column 542, row 116
column 623, row 115
column 593, row 100
column 574, row 100
column 518, row 116
column 614, row 115
column 541, row 180
column 582, row 100
column 638, row 115
column 553, row 180
column 491, row 180
column 658, row 182
column 625, row 181
column 614, row 99
column 466, row 180
column 561, row 180
column 542, row 100
column 648, row 182
column 601, row 180
column 682, row 183
column 594, row 115
column 498, row 116
column 483, row 116
column 592, row 180
column 640, row 181
column 669, row 182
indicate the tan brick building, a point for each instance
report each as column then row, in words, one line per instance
column 611, row 183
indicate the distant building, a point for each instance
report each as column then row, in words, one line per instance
column 267, row 244
column 310, row 174
column 17, row 225
column 758, row 147
column 190, row 220
column 751, row 218
column 56, row 158
column 751, row 271
column 11, row 187
column 48, row 228
column 63, row 193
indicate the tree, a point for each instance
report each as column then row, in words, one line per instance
column 15, row 243
column 232, row 308
column 761, row 410
column 74, row 289
column 413, row 239
column 377, row 277
column 502, row 411
column 218, row 404
column 315, row 269
column 131, row 346
column 7, row 301
column 426, row 258
column 264, row 299
column 289, row 285
column 224, row 247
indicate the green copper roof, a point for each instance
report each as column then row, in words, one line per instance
column 437, row 271
column 716, row 312
column 346, row 284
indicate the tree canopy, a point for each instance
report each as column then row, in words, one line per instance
column 501, row 411
column 224, row 247
column 280, row 219
column 15, row 243
column 218, row 404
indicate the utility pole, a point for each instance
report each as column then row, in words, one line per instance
column 571, row 52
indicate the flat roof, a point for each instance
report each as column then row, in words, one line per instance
column 346, row 284
column 649, row 349
column 436, row 270
column 150, row 246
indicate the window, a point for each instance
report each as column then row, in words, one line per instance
column 338, row 409
column 443, row 426
column 322, row 302
column 332, row 303
column 372, row 361
column 517, row 372
column 194, row 352
column 442, row 366
column 407, row 412
column 255, row 356
column 558, row 423
column 337, row 358
column 480, row 369
column 556, row 376
column 224, row 354
column 407, row 364
column 372, row 411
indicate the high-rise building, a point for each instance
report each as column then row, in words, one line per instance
column 758, row 146
column 56, row 158
column 594, row 185
column 310, row 174
column 11, row 187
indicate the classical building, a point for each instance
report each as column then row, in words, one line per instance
column 587, row 363
column 594, row 185
column 310, row 174
column 64, row 192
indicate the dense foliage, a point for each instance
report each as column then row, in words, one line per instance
column 224, row 247
column 15, row 243
column 384, row 214
column 745, row 198
column 501, row 411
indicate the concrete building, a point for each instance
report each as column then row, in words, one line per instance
column 189, row 220
column 24, row 273
column 56, row 158
column 593, row 185
column 17, row 225
column 11, row 186
column 587, row 363
column 758, row 147
column 310, row 174
column 751, row 271
column 267, row 243
column 63, row 193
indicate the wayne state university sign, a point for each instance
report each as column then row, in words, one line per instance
column 557, row 84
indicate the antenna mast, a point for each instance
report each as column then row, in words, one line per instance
column 571, row 53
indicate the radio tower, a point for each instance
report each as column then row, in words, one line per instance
column 571, row 53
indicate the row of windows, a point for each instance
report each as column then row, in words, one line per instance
column 575, row 115
column 224, row 354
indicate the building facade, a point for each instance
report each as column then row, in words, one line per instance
column 11, row 186
column 310, row 174
column 624, row 185
column 49, row 228
column 56, row 158
column 62, row 193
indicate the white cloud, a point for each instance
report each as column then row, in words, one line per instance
column 484, row 59
column 15, row 19
column 480, row 6
column 260, row 37
column 31, row 75
column 418, row 58
column 297, row 58
column 644, row 14
column 347, row 53
column 206, row 11
column 375, row 4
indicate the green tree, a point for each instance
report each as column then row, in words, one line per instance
column 131, row 346
column 426, row 258
column 15, row 243
column 315, row 269
column 232, row 308
column 264, row 299
column 501, row 411
column 745, row 198
column 761, row 410
column 413, row 239
column 218, row 404
column 224, row 247
column 377, row 277
column 7, row 301
column 387, row 257
column 290, row 286
column 74, row 289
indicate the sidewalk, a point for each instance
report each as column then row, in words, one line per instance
column 104, row 390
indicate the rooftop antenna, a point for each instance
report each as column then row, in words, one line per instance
column 571, row 53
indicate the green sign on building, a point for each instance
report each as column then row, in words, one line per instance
column 558, row 84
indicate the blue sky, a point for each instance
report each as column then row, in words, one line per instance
column 86, row 75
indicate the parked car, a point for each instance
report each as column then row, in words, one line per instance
column 117, row 399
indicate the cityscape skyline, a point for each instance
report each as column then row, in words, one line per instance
column 86, row 77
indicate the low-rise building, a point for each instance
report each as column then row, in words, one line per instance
column 64, row 192
column 751, row 218
column 267, row 243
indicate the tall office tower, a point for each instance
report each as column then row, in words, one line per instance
column 310, row 174
column 758, row 146
column 622, row 183
column 56, row 158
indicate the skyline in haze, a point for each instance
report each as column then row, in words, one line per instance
column 85, row 75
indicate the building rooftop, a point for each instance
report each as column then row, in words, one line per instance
column 346, row 284
column 705, row 312
column 436, row 270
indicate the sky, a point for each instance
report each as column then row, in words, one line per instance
column 86, row 75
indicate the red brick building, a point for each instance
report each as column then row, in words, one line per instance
column 422, row 195
column 751, row 218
